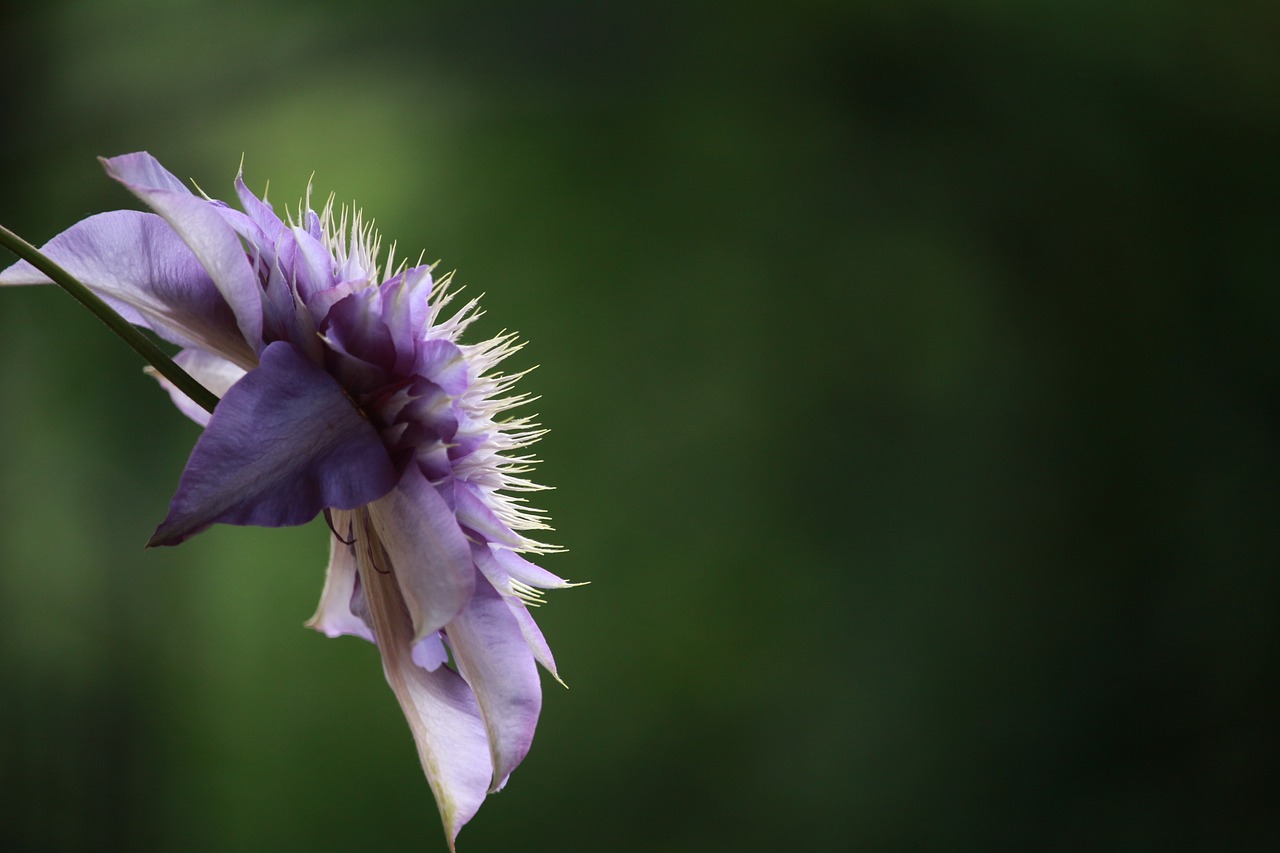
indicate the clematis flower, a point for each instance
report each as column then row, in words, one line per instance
column 345, row 390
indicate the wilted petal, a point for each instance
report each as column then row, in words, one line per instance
column 203, row 229
column 497, row 575
column 334, row 616
column 431, row 557
column 144, row 271
column 494, row 658
column 439, row 706
column 284, row 443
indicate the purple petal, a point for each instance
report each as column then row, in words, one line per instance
column 354, row 325
column 201, row 227
column 429, row 652
column 334, row 616
column 439, row 706
column 526, row 572
column 500, row 578
column 405, row 309
column 144, row 271
column 474, row 514
column 212, row 371
column 494, row 658
column 443, row 363
column 284, row 443
column 259, row 212
column 429, row 554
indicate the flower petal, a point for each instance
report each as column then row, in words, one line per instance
column 439, row 706
column 334, row 616
column 496, row 661
column 144, row 271
column 284, row 443
column 202, row 228
column 213, row 372
column 429, row 554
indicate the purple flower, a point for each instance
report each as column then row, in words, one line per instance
column 345, row 390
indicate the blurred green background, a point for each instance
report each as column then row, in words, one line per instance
column 912, row 374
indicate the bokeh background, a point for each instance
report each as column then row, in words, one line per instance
column 912, row 374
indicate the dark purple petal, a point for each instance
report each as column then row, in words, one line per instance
column 429, row 554
column 201, row 227
column 144, row 271
column 495, row 659
column 354, row 326
column 284, row 443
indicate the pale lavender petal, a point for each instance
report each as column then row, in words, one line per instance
column 212, row 371
column 144, row 271
column 438, row 705
column 259, row 212
column 201, row 227
column 404, row 310
column 284, row 442
column 334, row 616
column 500, row 578
column 495, row 659
column 428, row 552
column 474, row 514
column 533, row 636
column 526, row 572
column 442, row 362
column 312, row 264
column 429, row 652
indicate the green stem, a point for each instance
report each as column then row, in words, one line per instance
column 140, row 343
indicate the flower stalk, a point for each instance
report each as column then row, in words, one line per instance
column 139, row 342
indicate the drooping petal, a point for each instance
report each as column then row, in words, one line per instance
column 495, row 573
column 494, row 658
column 144, row 271
column 212, row 371
column 527, row 573
column 439, row 706
column 283, row 443
column 334, row 616
column 430, row 556
column 201, row 227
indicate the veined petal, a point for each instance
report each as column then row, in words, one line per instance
column 203, row 229
column 494, row 658
column 144, row 271
column 439, row 706
column 428, row 552
column 283, row 443
column 334, row 616
column 212, row 371
column 497, row 575
column 526, row 572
